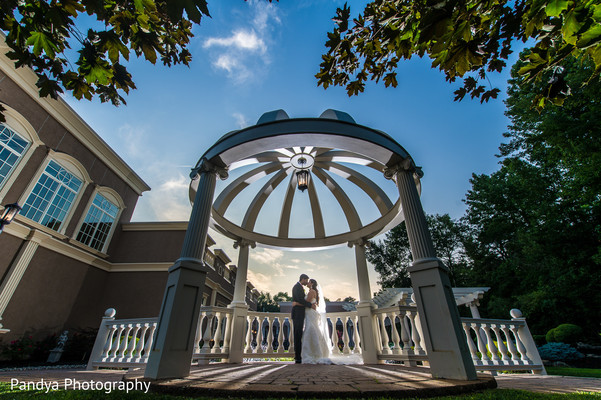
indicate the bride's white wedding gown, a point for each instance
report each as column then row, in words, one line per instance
column 316, row 348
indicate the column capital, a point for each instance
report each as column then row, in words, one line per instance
column 359, row 242
column 205, row 166
column 244, row 243
column 406, row 165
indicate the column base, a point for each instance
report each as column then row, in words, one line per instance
column 445, row 341
column 171, row 353
column 238, row 332
column 368, row 338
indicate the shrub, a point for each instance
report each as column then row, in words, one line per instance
column 565, row 333
column 20, row 349
column 540, row 339
column 79, row 345
column 559, row 352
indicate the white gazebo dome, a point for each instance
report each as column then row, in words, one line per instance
column 276, row 152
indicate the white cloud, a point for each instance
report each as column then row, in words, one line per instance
column 266, row 256
column 241, row 120
column 242, row 40
column 245, row 51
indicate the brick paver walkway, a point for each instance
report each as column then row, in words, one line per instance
column 287, row 379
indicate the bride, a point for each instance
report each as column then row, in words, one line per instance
column 316, row 344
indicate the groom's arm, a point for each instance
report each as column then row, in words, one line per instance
column 298, row 295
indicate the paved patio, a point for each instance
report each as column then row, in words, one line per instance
column 291, row 380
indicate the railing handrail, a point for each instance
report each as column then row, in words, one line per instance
column 493, row 321
column 130, row 321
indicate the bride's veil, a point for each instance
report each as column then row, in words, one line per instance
column 321, row 309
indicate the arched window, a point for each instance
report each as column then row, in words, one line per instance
column 18, row 140
column 12, row 148
column 99, row 222
column 51, row 199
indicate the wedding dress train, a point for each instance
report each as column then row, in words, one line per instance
column 317, row 347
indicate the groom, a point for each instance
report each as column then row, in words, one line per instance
column 298, row 315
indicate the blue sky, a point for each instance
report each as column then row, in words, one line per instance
column 253, row 57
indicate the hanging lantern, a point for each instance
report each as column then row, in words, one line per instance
column 302, row 177
column 10, row 211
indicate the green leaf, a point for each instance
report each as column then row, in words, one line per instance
column 571, row 26
column 555, row 7
column 40, row 42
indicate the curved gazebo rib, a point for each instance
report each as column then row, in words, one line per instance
column 232, row 190
column 378, row 196
column 350, row 212
column 349, row 157
column 250, row 218
column 284, row 226
column 318, row 225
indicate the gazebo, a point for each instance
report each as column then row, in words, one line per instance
column 302, row 154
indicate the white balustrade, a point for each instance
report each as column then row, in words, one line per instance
column 494, row 345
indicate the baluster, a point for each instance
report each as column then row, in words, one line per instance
column 500, row 344
column 481, row 346
column 198, row 336
column 416, row 336
column 249, row 334
column 515, row 356
column 291, row 336
column 405, row 333
column 109, row 343
column 150, row 339
column 206, row 337
column 335, row 335
column 117, row 343
column 132, row 343
column 385, row 338
column 520, row 345
column 491, row 345
column 345, row 337
column 260, row 334
column 356, row 336
column 140, row 346
column 269, row 347
column 396, row 340
column 227, row 336
column 124, row 342
column 470, row 344
column 281, row 335
column 217, row 338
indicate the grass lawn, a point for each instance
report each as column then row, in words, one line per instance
column 496, row 394
column 566, row 371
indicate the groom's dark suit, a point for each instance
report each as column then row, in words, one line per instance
column 298, row 318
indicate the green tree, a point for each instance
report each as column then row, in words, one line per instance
column 266, row 304
column 392, row 256
column 282, row 296
column 535, row 225
column 464, row 39
column 349, row 299
column 41, row 33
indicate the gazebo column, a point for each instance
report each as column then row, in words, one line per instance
column 239, row 306
column 445, row 341
column 364, row 308
column 171, row 353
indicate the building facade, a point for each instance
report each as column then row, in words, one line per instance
column 72, row 251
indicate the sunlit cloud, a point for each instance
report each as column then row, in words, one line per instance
column 241, row 120
column 266, row 256
column 245, row 51
column 242, row 40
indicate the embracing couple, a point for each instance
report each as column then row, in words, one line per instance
column 311, row 344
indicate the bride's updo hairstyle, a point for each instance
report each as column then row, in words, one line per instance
column 313, row 283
